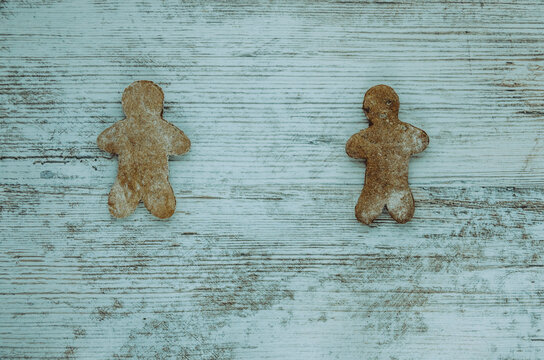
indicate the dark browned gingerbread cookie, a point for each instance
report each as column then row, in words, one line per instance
column 387, row 145
column 143, row 141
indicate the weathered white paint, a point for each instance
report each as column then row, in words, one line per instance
column 264, row 258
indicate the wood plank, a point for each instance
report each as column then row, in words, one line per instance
column 263, row 258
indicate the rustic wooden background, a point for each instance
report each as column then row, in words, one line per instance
column 263, row 258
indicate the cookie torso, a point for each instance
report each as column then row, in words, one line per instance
column 142, row 155
column 392, row 146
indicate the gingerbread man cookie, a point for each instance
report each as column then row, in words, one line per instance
column 387, row 146
column 143, row 141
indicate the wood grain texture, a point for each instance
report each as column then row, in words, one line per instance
column 263, row 258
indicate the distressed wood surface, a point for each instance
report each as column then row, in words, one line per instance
column 263, row 258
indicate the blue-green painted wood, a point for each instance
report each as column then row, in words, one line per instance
column 264, row 258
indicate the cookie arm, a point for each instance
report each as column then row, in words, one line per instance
column 107, row 140
column 178, row 142
column 358, row 146
column 420, row 140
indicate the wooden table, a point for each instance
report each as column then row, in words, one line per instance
column 263, row 258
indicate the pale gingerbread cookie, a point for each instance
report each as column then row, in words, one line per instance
column 387, row 146
column 143, row 141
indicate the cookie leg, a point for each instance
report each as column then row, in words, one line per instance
column 369, row 207
column 400, row 205
column 159, row 199
column 122, row 201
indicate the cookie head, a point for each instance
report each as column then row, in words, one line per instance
column 381, row 103
column 143, row 97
